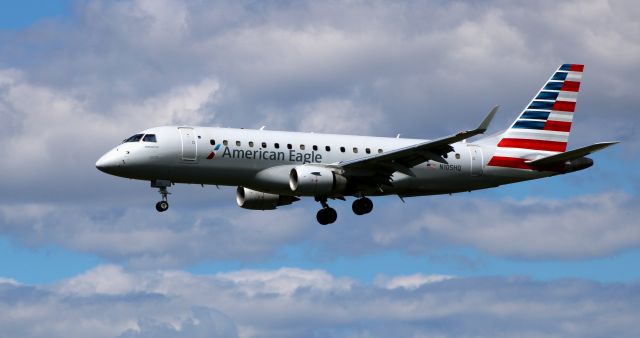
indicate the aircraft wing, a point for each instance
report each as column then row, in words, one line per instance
column 569, row 155
column 404, row 158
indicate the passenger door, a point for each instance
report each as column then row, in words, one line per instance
column 189, row 144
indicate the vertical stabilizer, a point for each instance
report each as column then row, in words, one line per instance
column 543, row 127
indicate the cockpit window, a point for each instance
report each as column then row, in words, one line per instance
column 149, row 138
column 134, row 138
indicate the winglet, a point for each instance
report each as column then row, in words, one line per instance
column 487, row 120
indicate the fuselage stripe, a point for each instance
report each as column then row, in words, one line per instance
column 508, row 162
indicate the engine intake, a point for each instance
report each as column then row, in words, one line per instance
column 257, row 200
column 316, row 181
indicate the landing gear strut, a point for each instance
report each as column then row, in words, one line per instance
column 326, row 215
column 162, row 185
column 362, row 206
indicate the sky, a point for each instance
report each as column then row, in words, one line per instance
column 86, row 254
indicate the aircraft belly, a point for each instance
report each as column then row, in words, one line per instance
column 207, row 174
column 433, row 180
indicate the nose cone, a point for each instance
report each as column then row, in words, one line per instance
column 109, row 162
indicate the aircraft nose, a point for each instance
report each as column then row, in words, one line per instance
column 108, row 162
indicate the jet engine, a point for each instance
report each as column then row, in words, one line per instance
column 256, row 200
column 315, row 181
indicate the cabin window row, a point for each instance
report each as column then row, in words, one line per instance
column 290, row 146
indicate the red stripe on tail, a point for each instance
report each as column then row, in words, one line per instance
column 576, row 68
column 557, row 126
column 570, row 86
column 533, row 144
column 564, row 106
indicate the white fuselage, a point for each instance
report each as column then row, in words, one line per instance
column 262, row 159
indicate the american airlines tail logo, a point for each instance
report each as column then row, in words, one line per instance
column 214, row 152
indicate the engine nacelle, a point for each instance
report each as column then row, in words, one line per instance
column 316, row 181
column 256, row 200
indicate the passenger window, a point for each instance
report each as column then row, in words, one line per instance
column 379, row 151
column 276, row 145
column 457, row 156
column 238, row 143
column 251, row 144
column 342, row 149
column 368, row 151
column 289, row 146
column 302, row 147
column 327, row 148
column 315, row 148
column 355, row 150
column 213, row 142
column 149, row 138
column 225, row 142
column 264, row 145
column 134, row 138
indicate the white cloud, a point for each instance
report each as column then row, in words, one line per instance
column 574, row 228
column 8, row 281
column 104, row 279
column 338, row 116
column 409, row 282
column 284, row 281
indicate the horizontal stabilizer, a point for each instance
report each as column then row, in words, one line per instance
column 570, row 155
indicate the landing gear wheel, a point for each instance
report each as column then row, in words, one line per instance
column 162, row 185
column 326, row 216
column 162, row 206
column 362, row 206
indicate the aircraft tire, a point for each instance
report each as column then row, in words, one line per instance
column 362, row 206
column 326, row 216
column 162, row 206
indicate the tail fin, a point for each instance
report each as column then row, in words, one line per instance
column 543, row 127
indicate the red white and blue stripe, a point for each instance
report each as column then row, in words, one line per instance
column 543, row 127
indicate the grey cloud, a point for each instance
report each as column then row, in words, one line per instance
column 422, row 69
column 576, row 228
column 418, row 68
column 579, row 227
column 313, row 302
column 203, row 323
column 414, row 60
column 144, row 238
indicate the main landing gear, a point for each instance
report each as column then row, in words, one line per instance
column 328, row 215
column 362, row 206
column 163, row 205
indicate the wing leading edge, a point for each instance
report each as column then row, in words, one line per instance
column 404, row 158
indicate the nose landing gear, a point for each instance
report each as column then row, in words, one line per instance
column 162, row 185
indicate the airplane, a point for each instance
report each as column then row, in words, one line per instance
column 276, row 168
